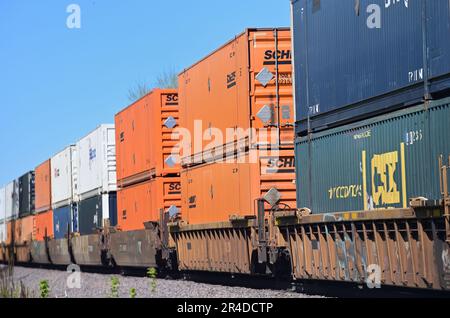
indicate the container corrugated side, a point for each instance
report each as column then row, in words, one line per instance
column 26, row 194
column 62, row 222
column 218, row 191
column 96, row 162
column 2, row 232
column 44, row 225
column 12, row 200
column 163, row 119
column 144, row 140
column 244, row 84
column 64, row 177
column 92, row 213
column 357, row 59
column 143, row 202
column 43, row 187
column 2, row 204
column 374, row 164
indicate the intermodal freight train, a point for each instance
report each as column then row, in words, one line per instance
column 338, row 173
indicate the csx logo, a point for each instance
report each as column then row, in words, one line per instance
column 283, row 57
column 175, row 186
column 384, row 185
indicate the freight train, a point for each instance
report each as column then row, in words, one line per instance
column 339, row 173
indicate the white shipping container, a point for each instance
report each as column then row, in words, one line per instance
column 64, row 177
column 2, row 232
column 97, row 162
column 2, row 204
column 12, row 200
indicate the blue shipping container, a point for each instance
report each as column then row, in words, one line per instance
column 358, row 58
column 62, row 221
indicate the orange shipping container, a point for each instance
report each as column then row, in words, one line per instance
column 217, row 191
column 43, row 223
column 143, row 202
column 143, row 137
column 43, row 187
column 23, row 230
column 247, row 83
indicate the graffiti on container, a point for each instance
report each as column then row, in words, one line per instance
column 412, row 137
column 345, row 192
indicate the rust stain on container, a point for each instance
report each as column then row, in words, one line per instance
column 143, row 137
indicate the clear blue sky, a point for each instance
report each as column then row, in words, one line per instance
column 57, row 84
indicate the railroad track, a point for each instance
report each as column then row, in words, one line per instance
column 312, row 288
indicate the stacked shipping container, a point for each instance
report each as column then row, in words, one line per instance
column 247, row 85
column 2, row 216
column 147, row 168
column 354, row 60
column 26, row 194
column 356, row 66
column 96, row 179
column 64, row 182
column 43, row 201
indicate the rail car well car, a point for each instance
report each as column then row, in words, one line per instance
column 364, row 199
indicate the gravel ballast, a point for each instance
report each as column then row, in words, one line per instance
column 99, row 286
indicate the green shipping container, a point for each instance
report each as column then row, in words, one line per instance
column 374, row 164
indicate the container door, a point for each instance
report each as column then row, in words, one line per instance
column 271, row 86
column 112, row 209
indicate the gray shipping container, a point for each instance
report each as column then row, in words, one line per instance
column 377, row 163
column 355, row 59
